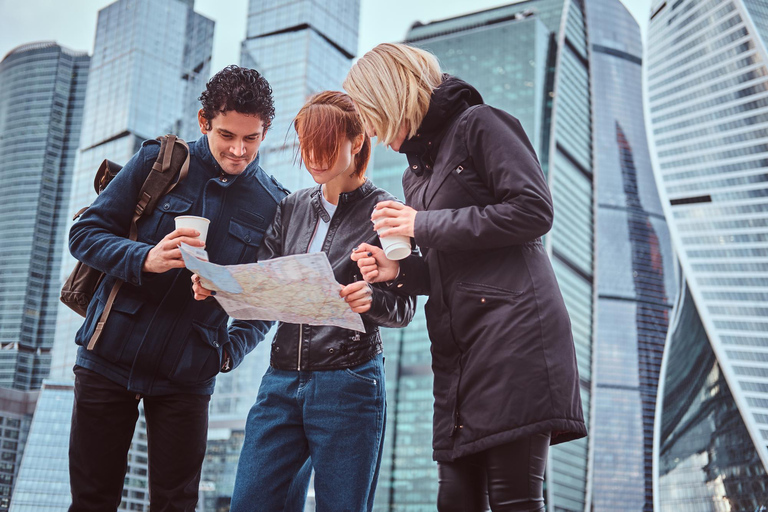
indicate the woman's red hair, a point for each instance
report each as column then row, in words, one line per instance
column 323, row 123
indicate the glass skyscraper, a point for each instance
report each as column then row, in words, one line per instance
column 43, row 483
column 41, row 107
column 150, row 63
column 151, row 60
column 301, row 47
column 570, row 72
column 522, row 62
column 706, row 86
column 634, row 270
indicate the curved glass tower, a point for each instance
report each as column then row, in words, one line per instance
column 570, row 72
column 41, row 106
column 634, row 270
column 706, row 85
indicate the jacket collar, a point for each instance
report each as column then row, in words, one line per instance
column 203, row 151
column 345, row 198
column 452, row 97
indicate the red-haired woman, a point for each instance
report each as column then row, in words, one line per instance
column 323, row 394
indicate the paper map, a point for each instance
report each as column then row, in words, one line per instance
column 297, row 289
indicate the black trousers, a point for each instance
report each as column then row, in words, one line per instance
column 103, row 422
column 508, row 478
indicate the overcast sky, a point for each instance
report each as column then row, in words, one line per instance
column 72, row 23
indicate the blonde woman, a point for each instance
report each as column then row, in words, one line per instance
column 506, row 385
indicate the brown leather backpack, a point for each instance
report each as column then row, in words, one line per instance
column 81, row 285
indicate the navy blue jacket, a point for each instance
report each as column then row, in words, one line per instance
column 158, row 339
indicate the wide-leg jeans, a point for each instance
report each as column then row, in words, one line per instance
column 336, row 417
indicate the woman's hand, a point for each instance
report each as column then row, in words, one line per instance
column 373, row 265
column 201, row 293
column 398, row 217
column 358, row 295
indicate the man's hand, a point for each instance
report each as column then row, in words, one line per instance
column 166, row 255
column 373, row 265
column 201, row 292
column 358, row 295
column 396, row 216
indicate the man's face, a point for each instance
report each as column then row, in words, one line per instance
column 234, row 139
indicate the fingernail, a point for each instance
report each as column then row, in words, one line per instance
column 370, row 254
column 355, row 249
column 213, row 292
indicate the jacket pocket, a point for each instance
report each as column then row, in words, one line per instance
column 161, row 221
column 199, row 359
column 118, row 331
column 482, row 312
column 248, row 238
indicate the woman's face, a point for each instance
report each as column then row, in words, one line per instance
column 402, row 134
column 341, row 168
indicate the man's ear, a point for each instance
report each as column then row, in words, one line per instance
column 202, row 121
column 264, row 134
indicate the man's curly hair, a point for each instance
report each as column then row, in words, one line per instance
column 243, row 90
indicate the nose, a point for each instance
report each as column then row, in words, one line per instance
column 237, row 148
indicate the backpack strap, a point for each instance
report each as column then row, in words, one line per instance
column 172, row 160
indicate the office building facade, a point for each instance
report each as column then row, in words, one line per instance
column 573, row 81
column 706, row 86
column 521, row 62
column 41, row 108
column 634, row 270
column 301, row 47
column 151, row 60
column 150, row 63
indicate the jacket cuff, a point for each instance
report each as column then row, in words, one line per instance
column 136, row 260
column 421, row 229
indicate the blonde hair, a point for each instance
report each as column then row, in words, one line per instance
column 391, row 86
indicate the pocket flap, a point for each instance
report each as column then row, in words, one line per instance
column 123, row 303
column 208, row 334
column 174, row 204
column 247, row 234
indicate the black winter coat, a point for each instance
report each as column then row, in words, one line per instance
column 502, row 350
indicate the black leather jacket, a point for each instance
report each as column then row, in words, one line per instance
column 311, row 347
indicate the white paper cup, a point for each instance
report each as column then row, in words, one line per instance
column 198, row 223
column 396, row 247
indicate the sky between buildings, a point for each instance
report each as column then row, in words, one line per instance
column 73, row 23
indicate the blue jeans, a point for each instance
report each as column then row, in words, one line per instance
column 336, row 417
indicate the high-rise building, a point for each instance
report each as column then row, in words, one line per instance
column 706, row 86
column 151, row 60
column 634, row 270
column 150, row 63
column 301, row 47
column 522, row 62
column 41, row 107
column 43, row 483
column 573, row 80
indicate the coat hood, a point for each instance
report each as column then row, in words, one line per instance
column 452, row 97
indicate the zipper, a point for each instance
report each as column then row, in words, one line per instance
column 298, row 365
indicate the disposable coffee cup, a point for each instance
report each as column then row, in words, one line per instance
column 191, row 221
column 396, row 247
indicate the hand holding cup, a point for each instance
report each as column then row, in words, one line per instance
column 394, row 223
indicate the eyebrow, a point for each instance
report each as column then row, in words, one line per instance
column 227, row 132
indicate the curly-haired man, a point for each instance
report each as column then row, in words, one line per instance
column 159, row 345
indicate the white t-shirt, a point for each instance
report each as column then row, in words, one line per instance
column 321, row 230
